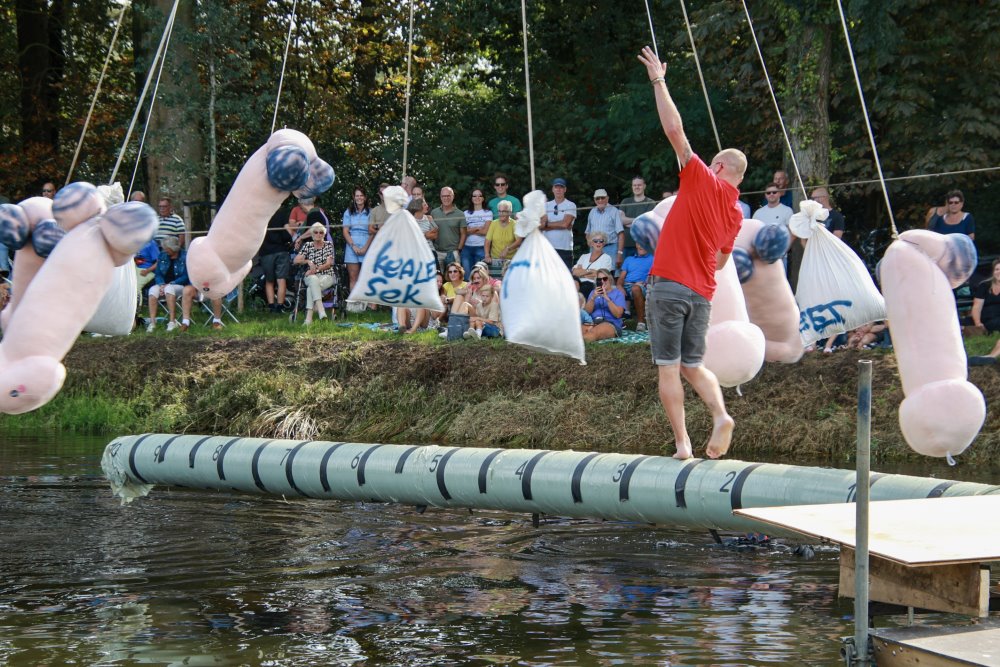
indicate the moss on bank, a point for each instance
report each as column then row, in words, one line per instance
column 466, row 393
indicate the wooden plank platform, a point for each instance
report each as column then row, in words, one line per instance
column 934, row 646
column 932, row 531
column 927, row 554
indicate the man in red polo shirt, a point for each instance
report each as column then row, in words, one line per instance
column 697, row 239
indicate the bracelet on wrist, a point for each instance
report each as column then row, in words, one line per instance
column 659, row 78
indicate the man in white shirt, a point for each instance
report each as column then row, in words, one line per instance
column 775, row 211
column 557, row 223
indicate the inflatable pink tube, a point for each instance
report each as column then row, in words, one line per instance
column 734, row 347
column 942, row 412
column 18, row 223
column 769, row 299
column 286, row 163
column 46, row 323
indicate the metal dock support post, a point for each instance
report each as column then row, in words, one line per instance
column 859, row 652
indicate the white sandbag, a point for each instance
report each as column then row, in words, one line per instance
column 835, row 292
column 399, row 268
column 538, row 299
column 734, row 347
column 115, row 315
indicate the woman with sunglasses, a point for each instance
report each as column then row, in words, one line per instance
column 454, row 286
column 587, row 266
column 606, row 305
column 477, row 219
column 317, row 255
column 954, row 220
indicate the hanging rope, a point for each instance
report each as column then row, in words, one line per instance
column 145, row 89
column 284, row 62
column 406, row 115
column 701, row 77
column 97, row 91
column 868, row 123
column 652, row 33
column 149, row 114
column 527, row 89
column 770, row 87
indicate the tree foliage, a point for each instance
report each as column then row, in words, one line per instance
column 928, row 70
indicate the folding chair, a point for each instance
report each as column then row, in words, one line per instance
column 226, row 300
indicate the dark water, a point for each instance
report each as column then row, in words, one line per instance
column 194, row 578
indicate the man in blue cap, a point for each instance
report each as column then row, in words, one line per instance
column 557, row 223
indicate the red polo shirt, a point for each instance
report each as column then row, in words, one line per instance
column 703, row 221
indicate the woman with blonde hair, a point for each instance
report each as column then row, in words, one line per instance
column 484, row 314
column 606, row 305
column 317, row 255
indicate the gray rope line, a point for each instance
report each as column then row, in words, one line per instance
column 149, row 114
column 527, row 89
column 145, row 89
column 777, row 108
column 97, row 91
column 284, row 62
column 701, row 77
column 868, row 124
column 406, row 115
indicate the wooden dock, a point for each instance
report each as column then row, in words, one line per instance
column 930, row 554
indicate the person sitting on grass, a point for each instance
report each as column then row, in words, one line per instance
column 632, row 282
column 484, row 315
column 455, row 284
column 868, row 336
column 171, row 277
column 987, row 359
column 317, row 255
column 606, row 305
column 189, row 296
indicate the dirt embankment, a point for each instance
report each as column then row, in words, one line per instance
column 481, row 395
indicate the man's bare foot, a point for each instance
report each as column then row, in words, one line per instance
column 683, row 451
column 722, row 435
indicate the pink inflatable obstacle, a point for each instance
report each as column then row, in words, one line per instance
column 769, row 299
column 942, row 412
column 43, row 324
column 734, row 347
column 286, row 163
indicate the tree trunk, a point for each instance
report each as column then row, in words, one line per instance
column 807, row 105
column 40, row 70
column 175, row 145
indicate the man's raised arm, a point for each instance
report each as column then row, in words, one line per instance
column 670, row 117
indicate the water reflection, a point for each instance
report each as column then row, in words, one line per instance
column 199, row 578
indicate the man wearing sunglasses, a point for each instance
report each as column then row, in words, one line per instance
column 696, row 240
column 502, row 184
column 49, row 190
column 774, row 211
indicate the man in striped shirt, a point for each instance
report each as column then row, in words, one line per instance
column 171, row 224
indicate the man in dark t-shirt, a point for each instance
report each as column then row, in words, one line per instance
column 631, row 208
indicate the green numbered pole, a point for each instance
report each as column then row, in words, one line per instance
column 695, row 493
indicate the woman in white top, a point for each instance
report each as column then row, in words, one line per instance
column 589, row 263
column 477, row 218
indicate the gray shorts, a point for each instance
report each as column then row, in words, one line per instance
column 678, row 322
column 275, row 266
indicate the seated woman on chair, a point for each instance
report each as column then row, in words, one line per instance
column 317, row 255
column 606, row 305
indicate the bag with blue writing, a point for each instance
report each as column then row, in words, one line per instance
column 835, row 292
column 399, row 269
column 538, row 299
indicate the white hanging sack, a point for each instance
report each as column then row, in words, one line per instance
column 399, row 269
column 538, row 299
column 115, row 314
column 835, row 291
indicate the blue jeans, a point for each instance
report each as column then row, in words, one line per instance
column 491, row 331
column 471, row 255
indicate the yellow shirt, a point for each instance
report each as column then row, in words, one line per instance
column 449, row 288
column 500, row 237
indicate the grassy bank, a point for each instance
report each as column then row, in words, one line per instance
column 271, row 379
